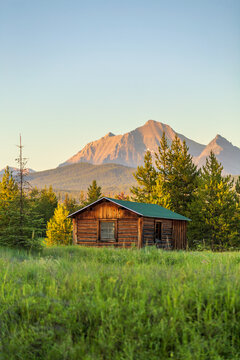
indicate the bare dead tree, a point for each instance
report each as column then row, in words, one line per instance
column 23, row 184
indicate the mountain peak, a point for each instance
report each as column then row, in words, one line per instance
column 227, row 154
column 220, row 137
column 220, row 141
column 156, row 123
column 129, row 148
column 110, row 134
column 151, row 122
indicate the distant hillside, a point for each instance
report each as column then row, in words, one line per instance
column 14, row 171
column 112, row 178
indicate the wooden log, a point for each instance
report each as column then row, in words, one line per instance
column 86, row 235
column 124, row 228
column 140, row 233
column 100, row 244
column 90, row 231
column 74, row 231
column 130, row 238
column 148, row 232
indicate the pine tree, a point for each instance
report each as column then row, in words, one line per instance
column 44, row 203
column 29, row 222
column 82, row 199
column 177, row 176
column 59, row 228
column 160, row 195
column 122, row 196
column 215, row 211
column 9, row 196
column 162, row 159
column 23, row 225
column 11, row 234
column 8, row 187
column 146, row 178
column 94, row 193
column 70, row 204
column 182, row 177
column 237, row 186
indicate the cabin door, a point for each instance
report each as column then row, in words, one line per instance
column 158, row 233
column 161, row 242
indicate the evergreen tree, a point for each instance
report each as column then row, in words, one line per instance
column 162, row 159
column 177, row 176
column 44, row 203
column 9, row 196
column 182, row 177
column 215, row 210
column 19, row 224
column 94, row 193
column 8, row 188
column 122, row 196
column 146, row 178
column 59, row 228
column 237, row 186
column 70, row 204
column 82, row 199
column 160, row 194
column 11, row 234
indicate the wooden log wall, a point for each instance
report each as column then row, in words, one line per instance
column 128, row 232
column 74, row 231
column 179, row 234
column 167, row 234
column 88, row 226
column 149, row 233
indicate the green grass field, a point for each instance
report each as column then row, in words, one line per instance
column 79, row 303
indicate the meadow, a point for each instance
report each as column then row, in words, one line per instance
column 80, row 303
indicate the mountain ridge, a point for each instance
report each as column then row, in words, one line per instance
column 227, row 154
column 128, row 149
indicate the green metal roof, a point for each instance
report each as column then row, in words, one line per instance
column 149, row 210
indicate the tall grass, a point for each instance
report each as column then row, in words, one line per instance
column 79, row 303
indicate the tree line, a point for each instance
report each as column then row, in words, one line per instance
column 29, row 215
column 206, row 196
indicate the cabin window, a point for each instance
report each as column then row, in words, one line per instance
column 107, row 231
column 158, row 231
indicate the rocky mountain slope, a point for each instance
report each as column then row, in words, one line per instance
column 113, row 152
column 226, row 153
column 129, row 149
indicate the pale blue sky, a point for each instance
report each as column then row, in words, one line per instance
column 73, row 70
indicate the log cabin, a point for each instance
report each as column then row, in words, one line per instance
column 118, row 223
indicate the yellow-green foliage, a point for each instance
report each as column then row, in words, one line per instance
column 59, row 228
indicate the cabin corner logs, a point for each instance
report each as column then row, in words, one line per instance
column 108, row 224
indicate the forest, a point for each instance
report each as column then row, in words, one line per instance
column 32, row 218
